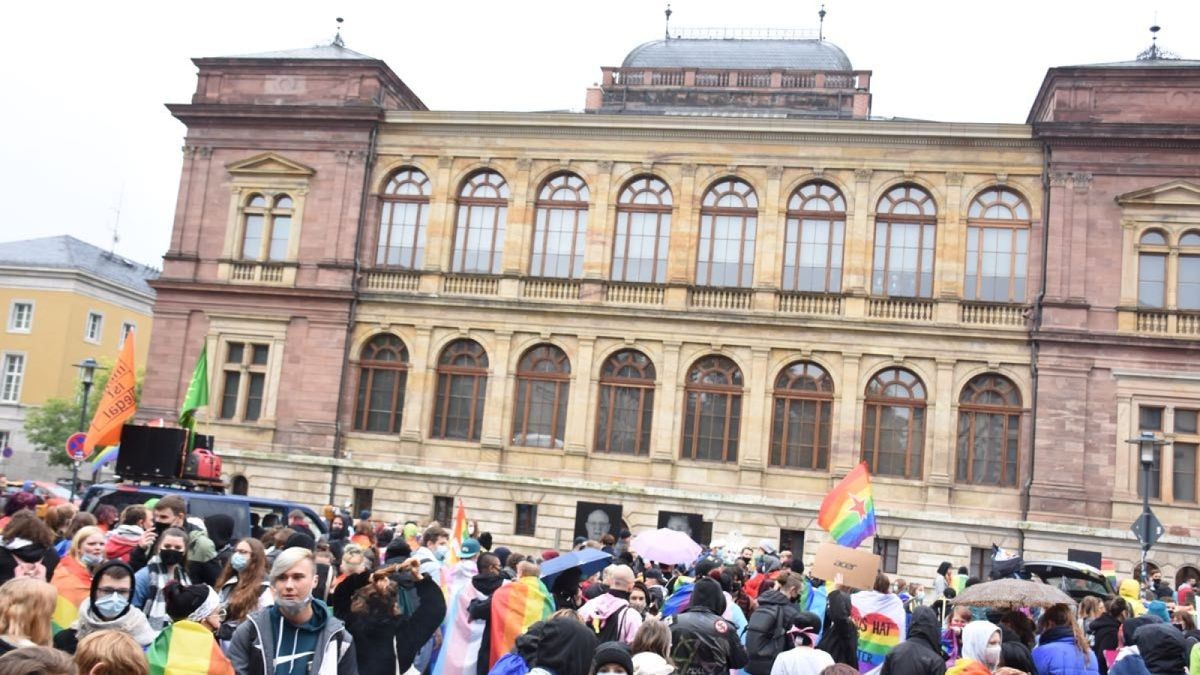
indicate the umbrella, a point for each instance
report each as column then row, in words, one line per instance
column 1012, row 593
column 589, row 560
column 666, row 546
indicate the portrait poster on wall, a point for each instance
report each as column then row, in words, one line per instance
column 594, row 520
column 691, row 524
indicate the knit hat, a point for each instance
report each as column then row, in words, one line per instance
column 194, row 602
column 397, row 551
column 613, row 653
column 549, row 554
column 502, row 553
column 767, row 546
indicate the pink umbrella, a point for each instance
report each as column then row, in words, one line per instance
column 666, row 546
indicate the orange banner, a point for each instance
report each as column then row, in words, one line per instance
column 118, row 403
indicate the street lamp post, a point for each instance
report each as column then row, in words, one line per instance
column 1148, row 445
column 87, row 374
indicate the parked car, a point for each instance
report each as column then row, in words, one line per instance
column 203, row 504
column 1075, row 579
column 52, row 494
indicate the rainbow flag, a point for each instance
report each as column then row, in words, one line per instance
column 187, row 648
column 74, row 585
column 881, row 626
column 679, row 600
column 103, row 457
column 457, row 534
column 516, row 607
column 848, row 511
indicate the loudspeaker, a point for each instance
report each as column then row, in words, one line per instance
column 151, row 452
column 203, row 442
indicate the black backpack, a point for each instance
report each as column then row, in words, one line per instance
column 766, row 637
column 611, row 630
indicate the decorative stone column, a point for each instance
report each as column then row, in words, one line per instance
column 439, row 228
column 579, row 406
column 419, row 387
column 497, row 416
column 668, row 415
column 755, row 420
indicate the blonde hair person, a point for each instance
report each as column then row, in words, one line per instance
column 652, row 648
column 25, row 608
column 110, row 652
column 73, row 575
column 36, row 661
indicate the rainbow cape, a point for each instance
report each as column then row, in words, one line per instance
column 461, row 637
column 848, row 511
column 516, row 607
column 187, row 648
column 881, row 626
column 74, row 585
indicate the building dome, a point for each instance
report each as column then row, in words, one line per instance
column 734, row 54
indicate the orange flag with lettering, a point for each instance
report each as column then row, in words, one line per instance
column 118, row 403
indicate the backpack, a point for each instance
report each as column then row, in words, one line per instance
column 766, row 636
column 611, row 630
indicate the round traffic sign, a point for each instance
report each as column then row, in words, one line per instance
column 75, row 446
column 8, row 452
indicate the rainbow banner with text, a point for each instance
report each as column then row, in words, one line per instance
column 881, row 626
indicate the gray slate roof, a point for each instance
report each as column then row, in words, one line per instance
column 739, row 54
column 327, row 52
column 68, row 253
column 1147, row 63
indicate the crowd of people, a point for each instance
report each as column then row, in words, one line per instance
column 150, row 590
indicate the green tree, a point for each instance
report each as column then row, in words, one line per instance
column 49, row 426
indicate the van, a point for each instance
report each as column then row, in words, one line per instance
column 204, row 504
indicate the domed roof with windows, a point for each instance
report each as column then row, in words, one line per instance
column 740, row 54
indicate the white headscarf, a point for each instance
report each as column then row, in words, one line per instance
column 975, row 638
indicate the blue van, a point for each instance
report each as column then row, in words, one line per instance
column 204, row 504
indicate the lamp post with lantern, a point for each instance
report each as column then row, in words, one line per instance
column 1148, row 445
column 87, row 377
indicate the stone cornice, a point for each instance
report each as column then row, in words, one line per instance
column 190, row 113
column 218, row 289
column 101, row 288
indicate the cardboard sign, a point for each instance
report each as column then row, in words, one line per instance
column 858, row 568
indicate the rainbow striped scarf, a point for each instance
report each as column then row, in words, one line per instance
column 516, row 607
column 187, row 648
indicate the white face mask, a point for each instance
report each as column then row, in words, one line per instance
column 992, row 655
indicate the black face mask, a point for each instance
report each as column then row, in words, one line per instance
column 159, row 528
column 170, row 558
column 747, row 560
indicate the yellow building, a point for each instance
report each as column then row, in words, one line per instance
column 63, row 300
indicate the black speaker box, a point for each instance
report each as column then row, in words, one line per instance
column 203, row 442
column 151, row 452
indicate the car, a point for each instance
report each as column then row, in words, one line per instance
column 1077, row 580
column 203, row 504
column 52, row 494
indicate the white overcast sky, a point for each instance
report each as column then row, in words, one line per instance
column 83, row 128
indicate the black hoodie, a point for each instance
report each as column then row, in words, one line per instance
column 921, row 653
column 702, row 642
column 766, row 632
column 566, row 647
column 840, row 636
column 1016, row 654
column 383, row 640
column 1103, row 632
column 1163, row 648
column 480, row 609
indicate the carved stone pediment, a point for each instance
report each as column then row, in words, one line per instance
column 270, row 164
column 1173, row 193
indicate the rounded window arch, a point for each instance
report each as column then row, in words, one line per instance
column 1153, row 253
column 266, row 227
column 461, row 385
column 713, row 403
column 479, row 227
column 543, row 387
column 1188, row 284
column 998, row 222
column 894, row 424
column 801, row 417
column 728, row 226
column 560, row 227
column 905, row 223
column 989, row 431
column 239, row 485
column 626, row 405
column 643, row 231
column 382, row 379
column 814, row 242
column 404, row 213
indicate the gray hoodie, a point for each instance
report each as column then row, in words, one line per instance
column 333, row 653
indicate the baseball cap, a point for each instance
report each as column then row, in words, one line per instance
column 469, row 549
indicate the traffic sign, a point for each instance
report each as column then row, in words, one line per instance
column 1148, row 536
column 75, row 446
column 8, row 452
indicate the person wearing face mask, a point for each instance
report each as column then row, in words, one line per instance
column 168, row 564
column 187, row 646
column 108, row 607
column 433, row 550
column 612, row 658
column 244, row 586
column 980, row 649
column 73, row 576
column 27, row 548
column 338, row 536
column 171, row 512
column 297, row 635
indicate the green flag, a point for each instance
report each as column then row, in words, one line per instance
column 197, row 392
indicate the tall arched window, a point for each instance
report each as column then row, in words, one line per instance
column 904, row 232
column 1189, row 271
column 997, row 246
column 382, row 376
column 894, row 424
column 643, row 231
column 800, row 422
column 989, row 431
column 461, row 386
column 728, row 225
column 266, row 227
column 812, row 254
column 713, row 419
column 1152, row 269
column 543, row 385
column 402, row 220
column 560, row 228
column 479, row 229
column 626, row 404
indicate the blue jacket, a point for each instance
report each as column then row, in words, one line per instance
column 1058, row 655
column 1132, row 664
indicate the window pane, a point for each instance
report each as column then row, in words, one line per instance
column 252, row 239
column 1185, row 421
column 235, row 353
column 1150, row 418
column 1189, row 282
column 259, row 354
column 1184, row 480
column 281, row 229
column 14, row 373
column 254, row 396
column 1152, row 274
column 229, row 395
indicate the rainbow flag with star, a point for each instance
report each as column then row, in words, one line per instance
column 848, row 511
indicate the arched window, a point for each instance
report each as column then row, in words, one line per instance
column 643, row 231
column 1189, row 271
column 997, row 246
column 402, row 220
column 904, row 233
column 543, row 385
column 479, row 230
column 728, row 224
column 560, row 228
column 812, row 254
column 1152, row 269
column 239, row 485
column 800, row 422
column 461, row 385
column 266, row 227
column 894, row 424
column 714, row 410
column 382, row 376
column 989, row 431
column 626, row 404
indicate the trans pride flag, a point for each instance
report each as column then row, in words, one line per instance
column 881, row 626
column 848, row 511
